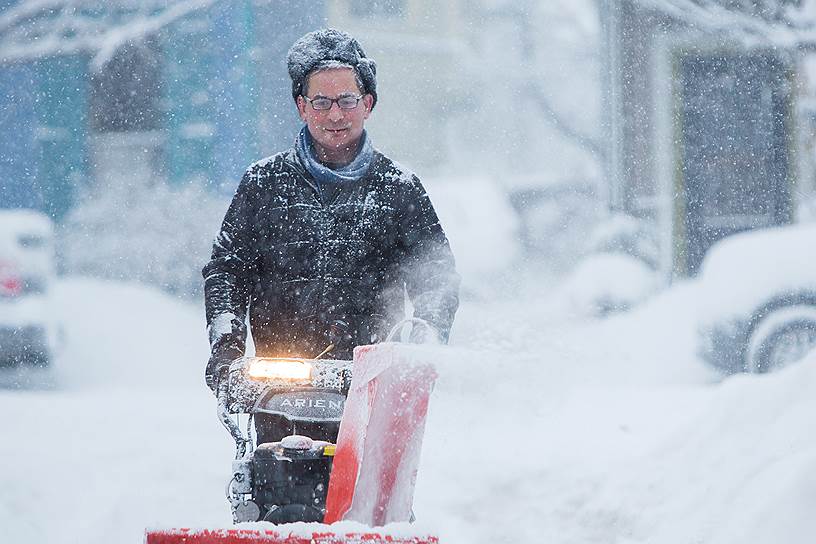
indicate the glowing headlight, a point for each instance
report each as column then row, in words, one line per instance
column 280, row 369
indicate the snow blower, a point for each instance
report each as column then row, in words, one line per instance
column 345, row 491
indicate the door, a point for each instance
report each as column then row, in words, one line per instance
column 735, row 148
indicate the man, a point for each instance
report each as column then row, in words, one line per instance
column 322, row 241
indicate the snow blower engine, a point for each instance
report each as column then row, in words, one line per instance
column 296, row 406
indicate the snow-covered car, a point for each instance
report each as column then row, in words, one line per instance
column 758, row 303
column 27, row 327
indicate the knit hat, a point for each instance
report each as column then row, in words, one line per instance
column 326, row 45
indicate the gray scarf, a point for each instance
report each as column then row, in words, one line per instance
column 353, row 171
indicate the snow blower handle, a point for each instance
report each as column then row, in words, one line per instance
column 414, row 321
column 227, row 421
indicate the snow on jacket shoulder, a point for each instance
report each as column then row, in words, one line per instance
column 314, row 267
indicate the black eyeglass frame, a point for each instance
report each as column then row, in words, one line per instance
column 333, row 100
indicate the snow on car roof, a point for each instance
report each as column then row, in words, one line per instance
column 744, row 271
column 17, row 221
column 26, row 241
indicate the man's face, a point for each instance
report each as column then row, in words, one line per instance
column 335, row 129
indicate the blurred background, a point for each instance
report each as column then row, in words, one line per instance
column 629, row 189
column 129, row 124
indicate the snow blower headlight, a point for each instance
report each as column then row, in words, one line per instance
column 280, row 370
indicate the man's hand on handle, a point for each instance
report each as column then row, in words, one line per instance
column 216, row 374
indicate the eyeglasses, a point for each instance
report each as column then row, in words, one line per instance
column 322, row 103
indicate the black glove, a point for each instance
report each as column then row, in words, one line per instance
column 217, row 371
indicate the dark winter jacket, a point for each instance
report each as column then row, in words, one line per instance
column 315, row 267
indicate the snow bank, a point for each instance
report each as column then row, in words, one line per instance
column 480, row 223
column 132, row 230
column 126, row 335
column 574, row 461
column 741, row 470
column 605, row 283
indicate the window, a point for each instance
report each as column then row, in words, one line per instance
column 126, row 91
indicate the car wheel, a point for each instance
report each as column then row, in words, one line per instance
column 782, row 337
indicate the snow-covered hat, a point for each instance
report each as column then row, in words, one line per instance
column 327, row 45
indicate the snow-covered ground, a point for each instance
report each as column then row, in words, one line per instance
column 541, row 429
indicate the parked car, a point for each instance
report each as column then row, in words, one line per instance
column 27, row 327
column 759, row 299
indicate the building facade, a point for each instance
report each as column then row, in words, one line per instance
column 194, row 97
column 702, row 129
column 190, row 98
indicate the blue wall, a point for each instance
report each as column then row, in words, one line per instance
column 42, row 133
column 62, row 126
column 18, row 153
